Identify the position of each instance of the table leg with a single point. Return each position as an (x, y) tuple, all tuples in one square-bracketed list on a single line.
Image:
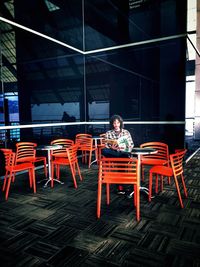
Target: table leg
[(142, 188), (49, 171), (95, 144), (49, 168)]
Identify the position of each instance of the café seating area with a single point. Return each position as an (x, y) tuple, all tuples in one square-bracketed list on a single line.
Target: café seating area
[(58, 226)]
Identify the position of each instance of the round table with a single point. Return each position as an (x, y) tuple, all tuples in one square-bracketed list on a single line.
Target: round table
[(139, 151), (95, 139), (49, 148)]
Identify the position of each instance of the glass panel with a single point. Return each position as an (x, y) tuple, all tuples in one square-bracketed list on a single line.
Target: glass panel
[(51, 79), (140, 83), (111, 23), (62, 20), (143, 82)]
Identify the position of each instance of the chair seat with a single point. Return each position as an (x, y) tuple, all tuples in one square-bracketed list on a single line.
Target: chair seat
[(60, 155), (20, 167), (149, 161), (162, 170), (59, 160), (39, 159), (25, 159)]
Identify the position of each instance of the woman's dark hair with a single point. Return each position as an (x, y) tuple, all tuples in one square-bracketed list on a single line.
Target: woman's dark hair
[(119, 118)]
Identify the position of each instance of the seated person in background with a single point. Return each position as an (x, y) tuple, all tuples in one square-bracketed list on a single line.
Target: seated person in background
[(118, 140)]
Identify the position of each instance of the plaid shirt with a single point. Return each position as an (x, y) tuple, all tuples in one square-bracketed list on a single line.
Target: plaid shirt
[(113, 135)]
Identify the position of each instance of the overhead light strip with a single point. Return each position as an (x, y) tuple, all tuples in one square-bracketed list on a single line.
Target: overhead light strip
[(96, 50)]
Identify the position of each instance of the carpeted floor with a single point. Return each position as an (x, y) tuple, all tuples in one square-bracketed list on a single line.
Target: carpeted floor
[(58, 227)]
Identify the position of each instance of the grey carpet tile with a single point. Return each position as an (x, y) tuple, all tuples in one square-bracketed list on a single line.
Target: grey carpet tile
[(42, 250), (69, 256), (58, 227)]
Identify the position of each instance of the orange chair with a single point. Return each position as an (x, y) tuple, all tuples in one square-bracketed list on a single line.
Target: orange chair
[(61, 152), (71, 160), (159, 158), (25, 152), (175, 170), (118, 171), (85, 144), (12, 168)]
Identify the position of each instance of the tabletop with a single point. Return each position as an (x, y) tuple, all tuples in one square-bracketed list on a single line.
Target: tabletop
[(142, 151), (48, 147)]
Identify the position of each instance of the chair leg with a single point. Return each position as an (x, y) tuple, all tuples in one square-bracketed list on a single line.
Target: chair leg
[(52, 173), (184, 186), (178, 191), (5, 181), (108, 194), (79, 172), (32, 175), (74, 167), (161, 183), (135, 195), (13, 177), (99, 199), (73, 175), (8, 186), (138, 203), (150, 185), (156, 187)]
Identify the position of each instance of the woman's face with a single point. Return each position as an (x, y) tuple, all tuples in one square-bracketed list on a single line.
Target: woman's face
[(116, 125)]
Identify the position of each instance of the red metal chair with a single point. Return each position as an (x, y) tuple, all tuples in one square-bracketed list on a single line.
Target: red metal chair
[(12, 168), (25, 152), (118, 171), (85, 144), (61, 152), (71, 160), (175, 170), (159, 158)]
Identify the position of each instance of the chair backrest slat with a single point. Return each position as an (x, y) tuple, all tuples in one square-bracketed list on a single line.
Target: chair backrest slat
[(65, 143), (25, 151), (112, 170), (162, 150), (177, 162)]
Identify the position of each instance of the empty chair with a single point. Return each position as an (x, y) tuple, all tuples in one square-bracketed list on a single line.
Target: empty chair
[(71, 161), (61, 152), (118, 171), (85, 145), (12, 168), (25, 152), (175, 171), (161, 157)]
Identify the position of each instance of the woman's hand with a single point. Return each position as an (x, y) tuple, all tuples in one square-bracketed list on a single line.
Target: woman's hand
[(115, 147)]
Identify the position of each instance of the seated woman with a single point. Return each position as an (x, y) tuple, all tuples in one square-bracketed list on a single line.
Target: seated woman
[(118, 141)]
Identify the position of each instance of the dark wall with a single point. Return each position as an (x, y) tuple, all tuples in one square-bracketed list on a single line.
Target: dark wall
[(142, 82)]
